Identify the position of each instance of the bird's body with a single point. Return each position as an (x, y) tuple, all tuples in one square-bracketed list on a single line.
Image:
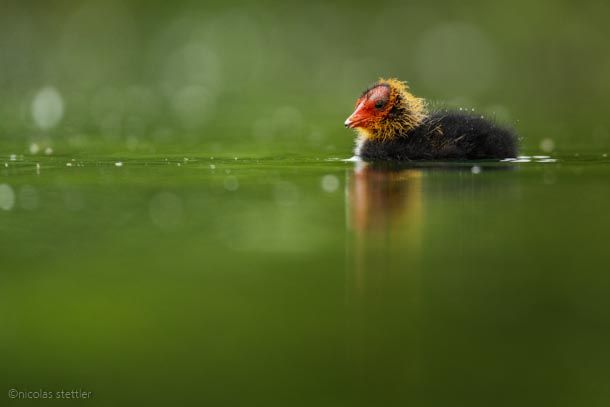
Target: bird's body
[(444, 135), (394, 125)]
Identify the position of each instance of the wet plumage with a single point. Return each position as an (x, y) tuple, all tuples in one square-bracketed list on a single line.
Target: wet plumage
[(394, 125)]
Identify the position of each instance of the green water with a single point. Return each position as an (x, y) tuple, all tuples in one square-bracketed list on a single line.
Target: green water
[(306, 281)]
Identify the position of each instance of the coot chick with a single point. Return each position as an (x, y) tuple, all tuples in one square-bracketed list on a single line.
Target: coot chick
[(392, 124)]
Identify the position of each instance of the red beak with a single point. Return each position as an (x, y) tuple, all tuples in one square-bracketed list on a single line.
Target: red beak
[(356, 118)]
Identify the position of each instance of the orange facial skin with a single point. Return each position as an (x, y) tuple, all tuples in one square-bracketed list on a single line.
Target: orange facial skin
[(386, 110), (371, 107)]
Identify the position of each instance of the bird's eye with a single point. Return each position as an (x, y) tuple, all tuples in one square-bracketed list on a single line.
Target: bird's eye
[(379, 103)]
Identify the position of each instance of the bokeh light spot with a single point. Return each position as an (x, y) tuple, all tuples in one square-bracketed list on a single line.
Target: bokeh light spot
[(7, 197), (231, 183), (47, 108), (547, 145), (330, 183)]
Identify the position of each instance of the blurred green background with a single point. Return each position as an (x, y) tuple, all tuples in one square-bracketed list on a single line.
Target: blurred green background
[(149, 76), (177, 226)]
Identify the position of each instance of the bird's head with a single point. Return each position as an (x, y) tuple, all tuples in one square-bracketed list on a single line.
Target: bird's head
[(386, 110)]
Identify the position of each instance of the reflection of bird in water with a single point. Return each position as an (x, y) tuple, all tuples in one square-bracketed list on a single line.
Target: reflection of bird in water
[(385, 218), (386, 214), (392, 124), (407, 227), (388, 204), (385, 199)]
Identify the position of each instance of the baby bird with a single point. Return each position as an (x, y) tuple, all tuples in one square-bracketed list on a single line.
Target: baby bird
[(392, 124)]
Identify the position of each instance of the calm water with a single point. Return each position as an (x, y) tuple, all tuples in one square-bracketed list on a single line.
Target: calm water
[(306, 282), (135, 266)]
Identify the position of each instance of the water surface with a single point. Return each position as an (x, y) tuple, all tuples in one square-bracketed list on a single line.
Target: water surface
[(306, 281)]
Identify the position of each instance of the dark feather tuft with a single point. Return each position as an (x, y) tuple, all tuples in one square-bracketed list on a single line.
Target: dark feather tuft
[(446, 135)]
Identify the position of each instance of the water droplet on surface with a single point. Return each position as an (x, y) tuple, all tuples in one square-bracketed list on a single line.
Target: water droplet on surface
[(352, 159)]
